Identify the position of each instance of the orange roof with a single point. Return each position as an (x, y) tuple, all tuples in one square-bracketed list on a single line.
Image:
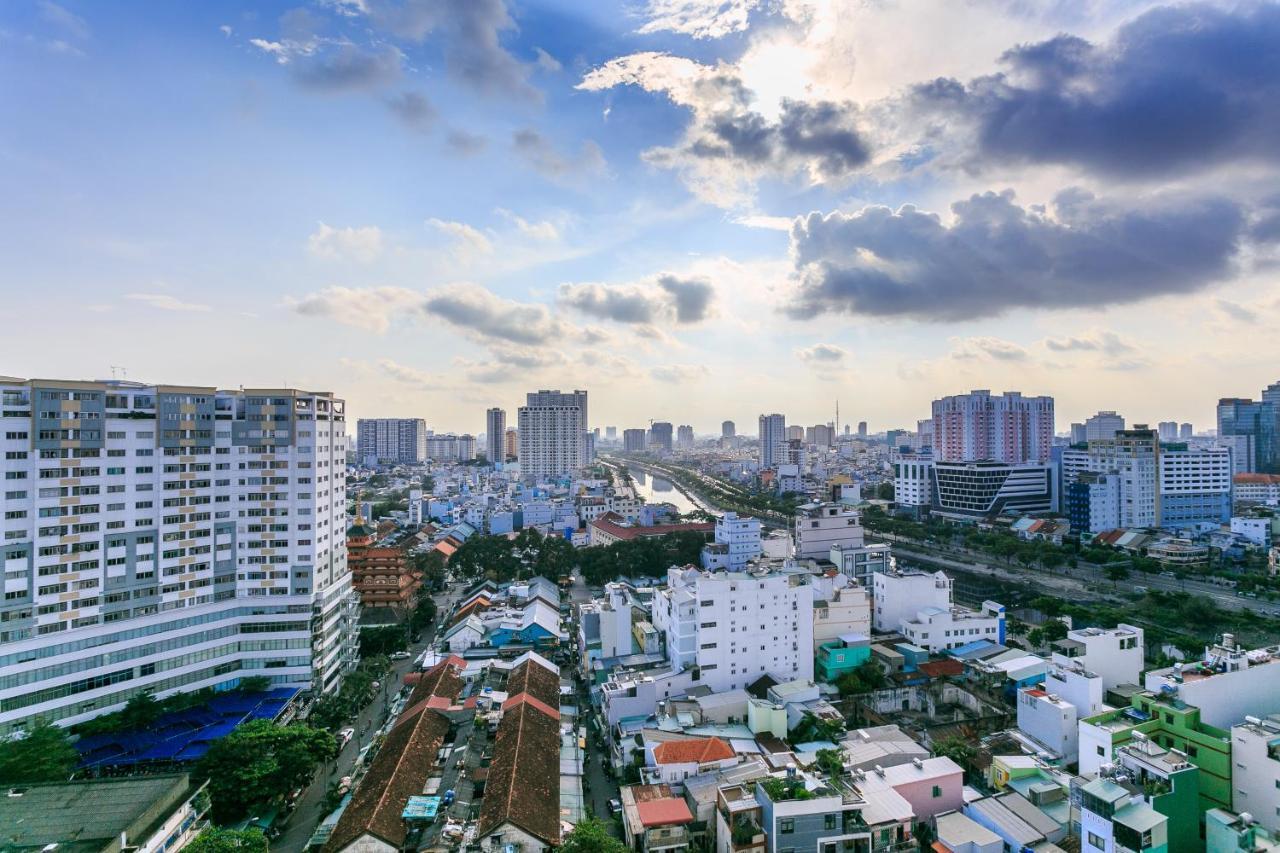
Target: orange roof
[(1257, 479), (666, 811), (609, 524), (447, 548), (939, 847), (692, 751), (534, 701)]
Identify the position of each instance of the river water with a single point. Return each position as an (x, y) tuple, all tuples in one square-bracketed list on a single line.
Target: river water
[(659, 490)]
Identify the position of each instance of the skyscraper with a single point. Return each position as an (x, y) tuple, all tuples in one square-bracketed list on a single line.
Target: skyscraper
[(633, 440), (660, 436), (1168, 430), (862, 429), (728, 429), (1186, 431), (1249, 427), (1102, 426), (553, 434), (1079, 435), (495, 435), (773, 431), (611, 433), (511, 443), (978, 426), (167, 528), (391, 440), (684, 436)]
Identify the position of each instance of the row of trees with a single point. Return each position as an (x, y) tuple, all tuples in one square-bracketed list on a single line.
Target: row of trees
[(260, 762), (333, 711), (501, 559)]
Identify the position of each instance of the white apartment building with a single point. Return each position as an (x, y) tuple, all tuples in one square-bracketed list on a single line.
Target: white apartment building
[(1051, 721), (913, 480), (940, 628), (860, 562), (737, 626), (979, 426), (1077, 685), (1195, 485), (1117, 655), (1255, 780), (1235, 684), (737, 543), (553, 434), (900, 594), (392, 440), (495, 435), (1256, 489), (773, 432), (840, 607), (820, 526), (168, 538), (1133, 456)]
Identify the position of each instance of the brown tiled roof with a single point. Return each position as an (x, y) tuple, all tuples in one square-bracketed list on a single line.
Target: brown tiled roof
[(1256, 479), (402, 765), (523, 786), (535, 679), (609, 524), (942, 667), (692, 751)]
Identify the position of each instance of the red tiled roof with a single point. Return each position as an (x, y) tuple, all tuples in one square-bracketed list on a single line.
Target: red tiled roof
[(609, 525), (942, 668), (1257, 479), (667, 811), (523, 787), (537, 703), (692, 751)]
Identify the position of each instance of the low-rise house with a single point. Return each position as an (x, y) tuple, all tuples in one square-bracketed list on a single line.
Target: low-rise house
[(958, 833), (676, 760), (654, 819)]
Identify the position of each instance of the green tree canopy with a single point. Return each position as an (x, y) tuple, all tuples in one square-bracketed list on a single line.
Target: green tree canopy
[(591, 835), (217, 840), (259, 762), (44, 755)]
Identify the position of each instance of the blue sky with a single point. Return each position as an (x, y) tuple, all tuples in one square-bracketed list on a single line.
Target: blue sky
[(697, 209)]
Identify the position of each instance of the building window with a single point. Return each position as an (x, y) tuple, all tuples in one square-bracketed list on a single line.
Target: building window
[(829, 821), (1097, 841), (787, 825), (937, 790)]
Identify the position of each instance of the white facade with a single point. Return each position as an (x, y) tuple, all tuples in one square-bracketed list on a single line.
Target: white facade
[(899, 595), (773, 432), (1050, 721), (1076, 685), (1132, 455), (1249, 684), (553, 434), (1256, 530), (913, 481), (839, 609), (820, 526), (860, 562), (737, 626), (1116, 654), (1103, 425), (391, 439), (164, 539), (1255, 781), (940, 628)]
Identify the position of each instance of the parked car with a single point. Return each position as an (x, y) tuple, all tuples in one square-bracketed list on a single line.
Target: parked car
[(401, 656), (345, 736), (615, 806)]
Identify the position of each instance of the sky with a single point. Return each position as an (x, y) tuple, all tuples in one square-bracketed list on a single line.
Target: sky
[(697, 210)]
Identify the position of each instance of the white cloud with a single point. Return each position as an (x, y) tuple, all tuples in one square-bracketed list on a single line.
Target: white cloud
[(165, 302), (408, 375), (544, 230), (823, 354), (701, 19), (226, 30), (679, 374), (361, 244), (371, 309), (987, 347), (466, 238)]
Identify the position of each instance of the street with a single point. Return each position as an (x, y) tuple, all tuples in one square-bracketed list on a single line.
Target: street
[(310, 808)]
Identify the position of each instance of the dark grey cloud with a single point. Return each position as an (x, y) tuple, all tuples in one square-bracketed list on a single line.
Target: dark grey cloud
[(1101, 341), (667, 298), (997, 256), (470, 33), (414, 111), (464, 143), (1177, 89), (349, 69), (821, 135)]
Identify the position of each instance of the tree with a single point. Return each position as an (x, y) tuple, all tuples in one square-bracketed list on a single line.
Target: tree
[(863, 678), (217, 840), (1116, 573), (1054, 629), (254, 684), (813, 728), (44, 755), (260, 762), (884, 491), (958, 749), (383, 640), (591, 835), (140, 712)]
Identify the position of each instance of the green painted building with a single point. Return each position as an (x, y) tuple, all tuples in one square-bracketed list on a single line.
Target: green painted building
[(841, 655)]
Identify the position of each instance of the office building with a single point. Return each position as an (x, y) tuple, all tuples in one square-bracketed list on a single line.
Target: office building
[(913, 481), (862, 429), (1168, 430), (728, 429), (773, 432), (974, 490), (737, 626), (402, 440), (1103, 425), (190, 537), (611, 433), (1079, 435), (684, 437), (1195, 485), (660, 437), (1249, 427), (1186, 431), (633, 440), (1092, 502), (1133, 456), (511, 443), (495, 434), (979, 426), (553, 434)]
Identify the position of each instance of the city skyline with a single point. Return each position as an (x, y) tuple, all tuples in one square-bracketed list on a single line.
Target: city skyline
[(696, 210)]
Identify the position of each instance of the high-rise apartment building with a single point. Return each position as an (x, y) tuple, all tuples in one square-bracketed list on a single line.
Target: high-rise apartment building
[(633, 440), (1132, 455), (862, 429), (684, 436), (511, 443), (1255, 424), (1078, 435), (773, 431), (1186, 431), (979, 426), (450, 447), (660, 436), (1168, 430), (611, 433), (553, 434), (795, 433), (401, 440), (1102, 426), (728, 429), (165, 539), (495, 435)]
